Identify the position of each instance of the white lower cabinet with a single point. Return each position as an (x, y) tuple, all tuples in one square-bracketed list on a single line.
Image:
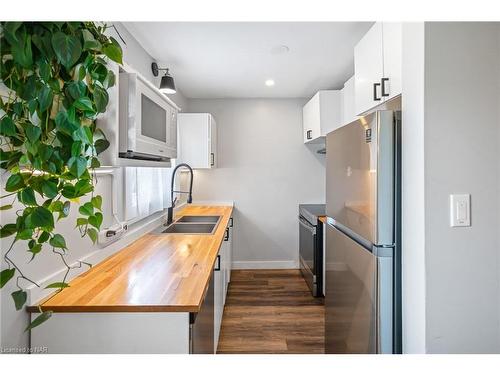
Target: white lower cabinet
[(222, 275)]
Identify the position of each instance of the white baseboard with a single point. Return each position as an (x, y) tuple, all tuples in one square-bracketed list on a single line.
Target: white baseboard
[(265, 265)]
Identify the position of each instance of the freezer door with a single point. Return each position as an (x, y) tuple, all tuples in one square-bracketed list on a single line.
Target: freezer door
[(350, 299), (360, 177)]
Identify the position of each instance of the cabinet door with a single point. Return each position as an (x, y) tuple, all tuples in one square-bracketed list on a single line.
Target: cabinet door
[(212, 157), (230, 251), (368, 69), (195, 139), (311, 119), (218, 299), (392, 34), (348, 102)]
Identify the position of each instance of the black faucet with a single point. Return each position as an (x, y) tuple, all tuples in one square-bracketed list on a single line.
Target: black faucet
[(170, 212)]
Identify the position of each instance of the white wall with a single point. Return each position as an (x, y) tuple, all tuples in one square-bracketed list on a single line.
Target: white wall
[(46, 263), (462, 155), (264, 167), (413, 213), (451, 144)]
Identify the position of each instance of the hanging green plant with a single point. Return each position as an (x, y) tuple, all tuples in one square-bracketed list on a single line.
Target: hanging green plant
[(54, 82)]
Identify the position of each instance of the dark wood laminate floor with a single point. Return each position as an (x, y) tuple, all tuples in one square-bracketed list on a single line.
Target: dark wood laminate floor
[(271, 311)]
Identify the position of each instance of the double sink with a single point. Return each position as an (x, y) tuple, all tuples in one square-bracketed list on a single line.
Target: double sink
[(190, 224)]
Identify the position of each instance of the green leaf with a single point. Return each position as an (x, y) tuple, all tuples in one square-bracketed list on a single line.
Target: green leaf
[(43, 237), (64, 124), (35, 250), (6, 275), (76, 148), (95, 163), (67, 48), (25, 234), (57, 285), (89, 42), (7, 127), (41, 218), (81, 221), (39, 320), (84, 104), (84, 134), (49, 189), (77, 165), (83, 187), (58, 241), (21, 52), (14, 183), (8, 230), (87, 209), (101, 99), (101, 145), (76, 89), (45, 70), (96, 220), (6, 207), (92, 234), (96, 201), (66, 207), (45, 97), (32, 132), (110, 79), (19, 297), (27, 196), (114, 52)]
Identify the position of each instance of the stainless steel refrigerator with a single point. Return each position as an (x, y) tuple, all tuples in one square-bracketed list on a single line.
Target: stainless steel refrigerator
[(363, 254)]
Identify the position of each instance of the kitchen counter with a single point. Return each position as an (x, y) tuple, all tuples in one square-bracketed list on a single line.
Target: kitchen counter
[(156, 273)]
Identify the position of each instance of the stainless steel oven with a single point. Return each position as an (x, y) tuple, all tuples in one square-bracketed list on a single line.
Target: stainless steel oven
[(311, 247)]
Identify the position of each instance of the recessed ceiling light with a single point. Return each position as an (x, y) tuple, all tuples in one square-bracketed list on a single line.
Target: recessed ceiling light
[(270, 82), (280, 49)]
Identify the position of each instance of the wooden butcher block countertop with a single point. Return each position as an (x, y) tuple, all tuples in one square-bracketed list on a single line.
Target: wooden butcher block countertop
[(156, 273)]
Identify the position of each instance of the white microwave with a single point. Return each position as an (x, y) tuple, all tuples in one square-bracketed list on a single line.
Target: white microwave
[(147, 121)]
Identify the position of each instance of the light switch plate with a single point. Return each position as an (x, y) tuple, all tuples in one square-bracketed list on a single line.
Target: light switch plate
[(460, 210)]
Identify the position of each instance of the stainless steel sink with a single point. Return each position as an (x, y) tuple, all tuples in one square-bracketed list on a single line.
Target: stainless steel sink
[(191, 228), (198, 219)]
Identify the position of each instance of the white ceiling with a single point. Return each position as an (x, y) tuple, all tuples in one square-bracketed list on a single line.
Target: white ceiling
[(234, 59)]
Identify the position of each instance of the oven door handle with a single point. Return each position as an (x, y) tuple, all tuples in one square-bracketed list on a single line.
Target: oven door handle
[(307, 225)]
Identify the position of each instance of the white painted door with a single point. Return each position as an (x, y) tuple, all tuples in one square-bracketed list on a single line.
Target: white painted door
[(368, 69), (392, 39)]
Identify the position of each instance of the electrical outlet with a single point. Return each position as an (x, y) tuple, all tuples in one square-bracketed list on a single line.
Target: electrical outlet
[(111, 234)]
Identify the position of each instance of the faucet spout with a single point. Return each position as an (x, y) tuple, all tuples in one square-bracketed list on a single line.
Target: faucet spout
[(170, 210)]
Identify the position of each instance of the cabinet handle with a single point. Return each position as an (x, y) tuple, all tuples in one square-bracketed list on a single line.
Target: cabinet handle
[(217, 268), (308, 134), (226, 236), (384, 92), (375, 98), (231, 222), (212, 159)]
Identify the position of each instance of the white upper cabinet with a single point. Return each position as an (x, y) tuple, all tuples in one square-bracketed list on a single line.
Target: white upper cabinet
[(377, 66), (197, 140), (392, 37), (321, 115), (348, 102)]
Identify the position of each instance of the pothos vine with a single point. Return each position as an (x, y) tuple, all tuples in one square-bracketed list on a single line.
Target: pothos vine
[(54, 82)]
